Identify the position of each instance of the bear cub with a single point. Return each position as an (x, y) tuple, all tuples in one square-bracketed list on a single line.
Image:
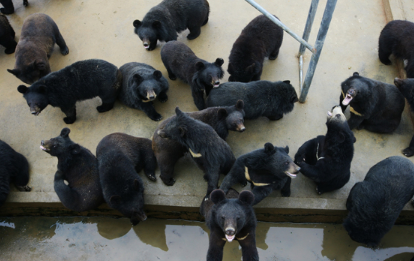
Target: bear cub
[(79, 167), (202, 76), (142, 84), (37, 39), (165, 20), (7, 35)]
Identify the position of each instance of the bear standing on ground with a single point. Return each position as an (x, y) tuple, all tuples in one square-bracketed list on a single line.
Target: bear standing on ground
[(121, 157), (261, 98), (165, 20), (375, 106), (141, 85), (265, 169), (230, 217), (9, 7), (37, 39), (259, 39), (7, 35), (79, 167), (13, 168), (327, 159), (202, 76), (168, 152), (375, 203), (77, 82)]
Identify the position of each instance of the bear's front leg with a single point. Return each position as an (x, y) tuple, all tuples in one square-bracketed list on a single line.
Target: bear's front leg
[(355, 122), (286, 188), (215, 247), (162, 97), (236, 175), (408, 152), (211, 176), (148, 108), (198, 97), (275, 117), (248, 246), (70, 114)]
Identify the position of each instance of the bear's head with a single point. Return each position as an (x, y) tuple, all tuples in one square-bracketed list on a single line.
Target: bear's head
[(31, 72), (338, 128), (406, 87), (36, 97), (232, 215), (60, 145), (148, 33), (288, 95), (242, 72), (177, 128), (352, 86), (147, 87), (234, 116), (280, 160), (208, 74)]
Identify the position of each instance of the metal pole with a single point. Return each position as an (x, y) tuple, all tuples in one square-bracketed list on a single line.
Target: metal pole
[(323, 30), (280, 24)]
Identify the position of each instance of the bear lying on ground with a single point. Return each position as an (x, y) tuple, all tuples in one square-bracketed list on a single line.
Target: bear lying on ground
[(9, 7), (211, 153), (141, 85), (259, 39), (121, 157), (375, 106), (77, 82), (327, 159), (230, 217), (202, 76), (375, 203), (7, 35), (13, 168), (265, 169), (37, 39), (79, 167), (397, 38), (163, 21), (168, 152), (261, 98)]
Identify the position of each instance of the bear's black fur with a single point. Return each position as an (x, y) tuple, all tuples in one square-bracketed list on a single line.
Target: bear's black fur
[(265, 169), (259, 39), (230, 217), (7, 35), (13, 168), (163, 21), (79, 167), (121, 157), (77, 82), (261, 98), (397, 38), (202, 76), (37, 39), (9, 7), (141, 85), (375, 203), (327, 159), (211, 153), (374, 105), (168, 152)]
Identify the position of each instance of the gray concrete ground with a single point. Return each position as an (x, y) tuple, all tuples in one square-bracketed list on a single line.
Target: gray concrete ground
[(103, 29)]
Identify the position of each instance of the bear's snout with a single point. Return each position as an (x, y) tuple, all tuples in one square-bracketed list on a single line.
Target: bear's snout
[(241, 127)]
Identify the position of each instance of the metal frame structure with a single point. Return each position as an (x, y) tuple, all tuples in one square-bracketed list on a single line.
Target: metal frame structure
[(320, 39)]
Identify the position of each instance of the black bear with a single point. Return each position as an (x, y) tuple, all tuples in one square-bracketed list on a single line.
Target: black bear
[(9, 7), (77, 82), (375, 203), (163, 21), (374, 105), (141, 85), (211, 153), (79, 167), (259, 39), (7, 35), (265, 169), (120, 158), (37, 39), (168, 152), (397, 38), (202, 76), (230, 217), (13, 168), (327, 159), (261, 98)]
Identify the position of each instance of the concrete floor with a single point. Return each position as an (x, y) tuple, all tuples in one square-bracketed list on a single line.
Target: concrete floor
[(103, 29)]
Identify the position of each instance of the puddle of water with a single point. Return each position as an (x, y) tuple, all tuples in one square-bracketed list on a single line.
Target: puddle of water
[(101, 238)]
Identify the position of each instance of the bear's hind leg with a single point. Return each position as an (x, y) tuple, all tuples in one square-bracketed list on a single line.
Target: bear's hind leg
[(8, 7), (64, 50), (384, 51), (21, 177), (70, 114), (274, 54), (194, 32), (408, 152)]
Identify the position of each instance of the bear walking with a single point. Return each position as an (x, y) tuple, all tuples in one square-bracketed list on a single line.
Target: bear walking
[(79, 167), (7, 35), (165, 20), (77, 82), (202, 76), (37, 39), (259, 39)]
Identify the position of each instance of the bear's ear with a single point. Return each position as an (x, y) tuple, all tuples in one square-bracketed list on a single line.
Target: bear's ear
[(219, 62), (156, 24), (269, 148), (183, 130), (355, 74), (157, 74), (240, 105), (137, 78), (75, 149), (15, 72), (287, 81), (287, 149), (65, 132), (22, 89), (250, 68), (137, 23), (41, 65), (115, 199), (199, 66), (246, 197), (217, 196), (136, 185), (178, 111), (222, 113)]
